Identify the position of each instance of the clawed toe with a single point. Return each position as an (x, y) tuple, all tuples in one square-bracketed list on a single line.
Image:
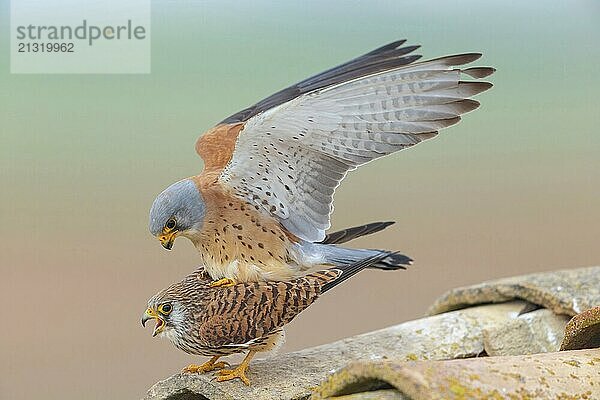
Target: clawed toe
[(230, 374), (220, 365), (225, 282), (192, 368), (208, 366), (225, 372)]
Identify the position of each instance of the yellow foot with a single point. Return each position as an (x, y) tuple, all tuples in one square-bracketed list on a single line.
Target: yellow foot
[(208, 366), (225, 282), (229, 374)]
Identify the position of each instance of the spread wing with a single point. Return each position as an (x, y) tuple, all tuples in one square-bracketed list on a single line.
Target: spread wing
[(289, 158), (216, 146)]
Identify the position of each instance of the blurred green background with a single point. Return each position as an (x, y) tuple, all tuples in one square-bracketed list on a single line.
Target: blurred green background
[(512, 189)]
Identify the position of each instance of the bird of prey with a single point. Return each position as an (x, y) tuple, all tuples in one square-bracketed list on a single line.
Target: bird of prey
[(262, 204), (215, 322)]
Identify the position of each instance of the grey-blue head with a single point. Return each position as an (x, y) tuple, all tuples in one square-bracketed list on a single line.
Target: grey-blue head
[(178, 210)]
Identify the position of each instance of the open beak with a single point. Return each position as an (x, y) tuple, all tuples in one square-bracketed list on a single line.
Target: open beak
[(151, 314), (167, 239)]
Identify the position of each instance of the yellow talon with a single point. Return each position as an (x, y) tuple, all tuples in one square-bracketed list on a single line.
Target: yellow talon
[(208, 366), (225, 282), (229, 374), (239, 372)]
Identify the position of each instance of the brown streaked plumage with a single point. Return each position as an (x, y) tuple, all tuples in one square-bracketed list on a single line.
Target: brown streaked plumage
[(202, 320), (270, 171)]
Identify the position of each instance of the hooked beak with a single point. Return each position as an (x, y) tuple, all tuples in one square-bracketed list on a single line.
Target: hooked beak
[(151, 314), (167, 239)]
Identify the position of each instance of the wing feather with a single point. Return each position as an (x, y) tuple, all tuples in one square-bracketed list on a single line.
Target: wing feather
[(386, 57), (289, 159), (240, 323)]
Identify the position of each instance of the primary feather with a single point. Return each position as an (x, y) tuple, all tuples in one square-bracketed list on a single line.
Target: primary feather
[(348, 234), (289, 159)]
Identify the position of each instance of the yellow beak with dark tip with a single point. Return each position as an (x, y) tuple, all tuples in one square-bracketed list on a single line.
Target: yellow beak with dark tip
[(151, 314), (167, 239)]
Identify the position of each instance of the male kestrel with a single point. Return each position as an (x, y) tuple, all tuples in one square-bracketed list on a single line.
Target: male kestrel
[(202, 320), (263, 202)]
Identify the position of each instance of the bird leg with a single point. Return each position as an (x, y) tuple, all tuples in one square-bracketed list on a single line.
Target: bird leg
[(210, 365), (239, 372), (225, 282)]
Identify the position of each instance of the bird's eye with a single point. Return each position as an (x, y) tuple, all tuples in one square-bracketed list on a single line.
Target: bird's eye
[(171, 223), (165, 308)]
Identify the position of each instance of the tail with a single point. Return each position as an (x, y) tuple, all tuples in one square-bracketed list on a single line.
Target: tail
[(331, 254), (339, 256), (335, 276), (349, 234)]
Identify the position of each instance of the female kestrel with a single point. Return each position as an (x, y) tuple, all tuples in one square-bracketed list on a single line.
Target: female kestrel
[(206, 321), (263, 202)]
